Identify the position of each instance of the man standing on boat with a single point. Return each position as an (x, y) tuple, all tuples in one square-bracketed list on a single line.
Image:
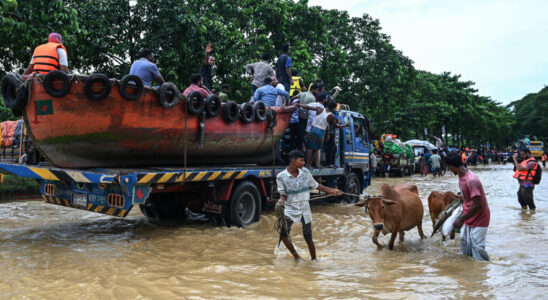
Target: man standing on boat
[(283, 68), (294, 185), (146, 69), (207, 68), (49, 57), (260, 70)]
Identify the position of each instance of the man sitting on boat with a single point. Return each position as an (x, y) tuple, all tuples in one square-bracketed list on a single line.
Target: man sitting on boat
[(49, 56), (146, 69), (196, 85)]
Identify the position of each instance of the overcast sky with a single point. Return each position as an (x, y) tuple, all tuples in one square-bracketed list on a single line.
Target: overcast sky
[(501, 45)]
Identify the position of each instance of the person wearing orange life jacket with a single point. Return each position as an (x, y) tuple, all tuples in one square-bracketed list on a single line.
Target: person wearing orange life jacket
[(297, 84), (525, 172), (544, 159), (49, 57)]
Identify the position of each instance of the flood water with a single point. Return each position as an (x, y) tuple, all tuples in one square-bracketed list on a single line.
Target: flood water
[(48, 251)]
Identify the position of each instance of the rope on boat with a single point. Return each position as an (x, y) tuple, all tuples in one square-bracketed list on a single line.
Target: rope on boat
[(186, 137)]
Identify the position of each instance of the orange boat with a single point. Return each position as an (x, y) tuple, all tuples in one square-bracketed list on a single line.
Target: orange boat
[(92, 121)]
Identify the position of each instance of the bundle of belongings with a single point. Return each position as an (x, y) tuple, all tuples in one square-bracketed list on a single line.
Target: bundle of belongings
[(10, 133), (397, 147)]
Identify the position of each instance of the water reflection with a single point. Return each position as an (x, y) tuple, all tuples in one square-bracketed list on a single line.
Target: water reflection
[(50, 251)]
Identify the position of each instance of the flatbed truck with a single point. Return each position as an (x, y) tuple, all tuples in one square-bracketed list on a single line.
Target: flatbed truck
[(232, 195)]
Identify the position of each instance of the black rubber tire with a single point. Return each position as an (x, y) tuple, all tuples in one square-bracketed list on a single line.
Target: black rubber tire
[(167, 89), (138, 84), (247, 114), (260, 111), (14, 92), (57, 75), (245, 205), (195, 103), (272, 118), (164, 207), (213, 106), (97, 78), (352, 186), (230, 111)]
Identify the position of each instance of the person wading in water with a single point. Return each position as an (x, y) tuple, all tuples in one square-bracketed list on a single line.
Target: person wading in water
[(294, 185), (475, 210)]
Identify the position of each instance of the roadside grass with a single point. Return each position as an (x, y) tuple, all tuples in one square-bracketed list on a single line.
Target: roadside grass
[(15, 185)]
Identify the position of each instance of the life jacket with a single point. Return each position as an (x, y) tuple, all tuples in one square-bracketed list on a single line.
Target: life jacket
[(526, 174), (295, 86), (45, 58), (544, 157), (463, 157)]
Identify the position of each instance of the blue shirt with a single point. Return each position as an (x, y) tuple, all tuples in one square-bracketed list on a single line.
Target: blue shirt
[(295, 115), (268, 94), (146, 70)]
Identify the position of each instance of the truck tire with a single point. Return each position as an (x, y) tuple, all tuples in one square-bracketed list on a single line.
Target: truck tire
[(195, 103), (164, 207), (245, 205), (352, 186)]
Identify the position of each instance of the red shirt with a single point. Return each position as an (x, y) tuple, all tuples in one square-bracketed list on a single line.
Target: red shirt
[(193, 87), (470, 187)]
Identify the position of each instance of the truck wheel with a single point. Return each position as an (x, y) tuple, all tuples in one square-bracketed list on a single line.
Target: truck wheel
[(351, 186), (164, 206), (245, 205)]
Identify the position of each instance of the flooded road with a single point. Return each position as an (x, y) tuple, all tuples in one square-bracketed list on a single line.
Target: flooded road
[(48, 251)]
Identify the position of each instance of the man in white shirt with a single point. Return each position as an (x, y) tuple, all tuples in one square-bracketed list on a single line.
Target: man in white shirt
[(294, 185)]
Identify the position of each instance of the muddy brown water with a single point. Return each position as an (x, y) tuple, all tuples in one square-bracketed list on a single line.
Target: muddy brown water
[(47, 251)]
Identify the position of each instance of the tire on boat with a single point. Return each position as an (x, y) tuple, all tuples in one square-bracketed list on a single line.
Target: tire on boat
[(127, 82), (247, 114), (260, 111), (168, 89), (213, 106), (245, 205), (271, 118), (14, 92), (230, 111), (100, 79), (195, 103), (57, 75)]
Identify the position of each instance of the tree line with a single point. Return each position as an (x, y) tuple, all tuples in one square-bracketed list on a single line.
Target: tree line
[(350, 52)]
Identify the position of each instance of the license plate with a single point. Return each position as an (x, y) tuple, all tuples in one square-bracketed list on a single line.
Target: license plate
[(80, 200)]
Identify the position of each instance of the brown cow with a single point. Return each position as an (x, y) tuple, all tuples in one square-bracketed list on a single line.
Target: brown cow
[(398, 209), (437, 202)]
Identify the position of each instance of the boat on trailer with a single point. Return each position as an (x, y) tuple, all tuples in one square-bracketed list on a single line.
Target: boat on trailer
[(93, 121)]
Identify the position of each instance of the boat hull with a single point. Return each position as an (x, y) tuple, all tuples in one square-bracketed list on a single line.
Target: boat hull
[(75, 132)]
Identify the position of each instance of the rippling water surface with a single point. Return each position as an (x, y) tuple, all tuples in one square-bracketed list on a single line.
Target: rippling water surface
[(47, 251)]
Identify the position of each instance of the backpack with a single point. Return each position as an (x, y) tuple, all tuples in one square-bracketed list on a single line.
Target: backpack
[(538, 174)]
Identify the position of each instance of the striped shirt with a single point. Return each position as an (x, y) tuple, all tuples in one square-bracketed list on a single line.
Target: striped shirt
[(297, 192)]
